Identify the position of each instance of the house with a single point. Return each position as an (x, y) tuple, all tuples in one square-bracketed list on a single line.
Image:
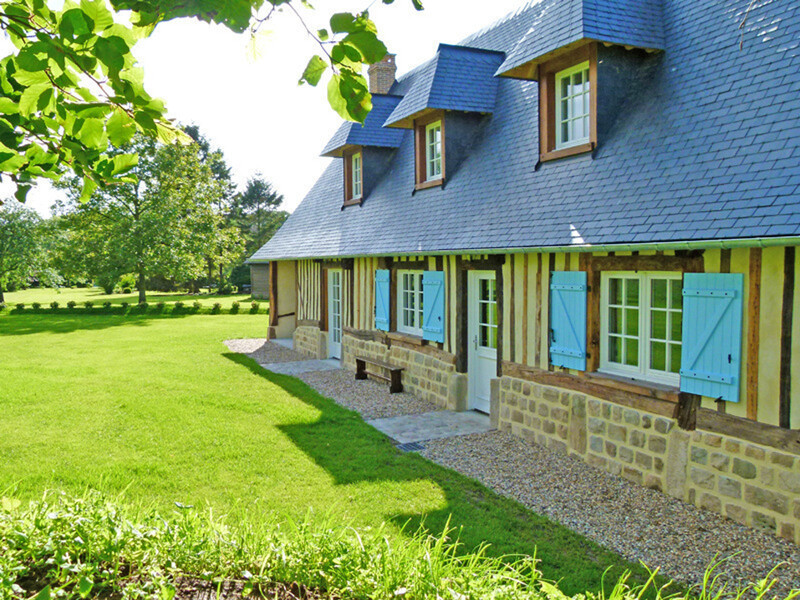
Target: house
[(259, 281), (582, 220)]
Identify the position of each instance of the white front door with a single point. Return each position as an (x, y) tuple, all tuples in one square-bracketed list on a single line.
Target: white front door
[(483, 321), (335, 313)]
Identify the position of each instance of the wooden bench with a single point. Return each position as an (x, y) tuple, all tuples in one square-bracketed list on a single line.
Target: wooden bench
[(395, 385)]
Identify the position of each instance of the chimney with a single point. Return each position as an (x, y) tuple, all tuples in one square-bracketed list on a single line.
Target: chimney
[(381, 75)]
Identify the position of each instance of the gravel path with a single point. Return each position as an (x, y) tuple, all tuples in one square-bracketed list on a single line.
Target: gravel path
[(639, 523)]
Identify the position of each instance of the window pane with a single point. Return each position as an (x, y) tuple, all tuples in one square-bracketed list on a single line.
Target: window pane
[(632, 352), (658, 297), (615, 320), (676, 320), (615, 291), (674, 358), (658, 356), (676, 298), (493, 340), (632, 292), (658, 324), (632, 321), (615, 349)]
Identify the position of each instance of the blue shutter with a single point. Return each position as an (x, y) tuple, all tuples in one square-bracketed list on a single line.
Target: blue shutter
[(433, 306), (382, 304), (568, 319), (712, 334)]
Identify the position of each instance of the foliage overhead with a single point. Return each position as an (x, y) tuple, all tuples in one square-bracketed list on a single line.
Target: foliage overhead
[(73, 88)]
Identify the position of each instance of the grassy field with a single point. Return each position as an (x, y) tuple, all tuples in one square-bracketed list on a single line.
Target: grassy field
[(157, 408), (45, 296)]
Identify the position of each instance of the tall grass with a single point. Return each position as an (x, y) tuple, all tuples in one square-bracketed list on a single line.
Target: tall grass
[(80, 547)]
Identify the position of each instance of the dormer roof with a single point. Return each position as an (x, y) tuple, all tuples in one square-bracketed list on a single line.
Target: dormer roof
[(371, 133), (560, 25), (458, 78)]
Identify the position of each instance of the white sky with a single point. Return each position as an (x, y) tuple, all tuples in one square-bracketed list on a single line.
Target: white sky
[(253, 109)]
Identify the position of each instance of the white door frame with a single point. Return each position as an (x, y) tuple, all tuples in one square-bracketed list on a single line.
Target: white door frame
[(335, 311), (480, 358)]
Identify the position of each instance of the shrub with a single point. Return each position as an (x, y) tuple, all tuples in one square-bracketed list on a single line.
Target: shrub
[(124, 306), (226, 289), (71, 304), (107, 305), (54, 305), (88, 304), (36, 305), (234, 308), (254, 306), (126, 290), (143, 306), (20, 305), (216, 309), (2, 306), (127, 281), (197, 305), (178, 306), (161, 306)]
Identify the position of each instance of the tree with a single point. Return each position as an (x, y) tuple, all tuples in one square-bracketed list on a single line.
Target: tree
[(164, 223), (20, 245), (259, 204), (73, 87)]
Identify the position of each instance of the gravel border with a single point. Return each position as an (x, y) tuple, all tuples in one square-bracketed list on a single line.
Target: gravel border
[(639, 523)]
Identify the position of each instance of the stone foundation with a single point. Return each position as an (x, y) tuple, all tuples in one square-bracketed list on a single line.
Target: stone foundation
[(751, 484), (424, 375), (311, 341)]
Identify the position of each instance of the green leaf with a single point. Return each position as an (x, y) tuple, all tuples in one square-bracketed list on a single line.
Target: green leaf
[(343, 23), (349, 96), (111, 51), (85, 587), (88, 189), (29, 78), (21, 195), (124, 163), (371, 48), (8, 106), (28, 60), (120, 128), (75, 23), (99, 13), (30, 98), (92, 134), (323, 35), (314, 70)]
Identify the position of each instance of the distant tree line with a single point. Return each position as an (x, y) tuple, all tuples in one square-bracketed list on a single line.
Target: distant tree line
[(178, 221)]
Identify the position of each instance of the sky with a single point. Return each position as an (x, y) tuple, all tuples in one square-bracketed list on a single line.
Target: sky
[(245, 97)]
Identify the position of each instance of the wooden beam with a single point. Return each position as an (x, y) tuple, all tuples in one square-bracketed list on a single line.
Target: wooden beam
[(525, 309), (688, 262), (537, 331), (550, 269), (787, 440), (273, 293), (787, 317), (753, 332), (724, 267), (512, 318), (687, 410), (323, 299), (462, 322), (500, 324)]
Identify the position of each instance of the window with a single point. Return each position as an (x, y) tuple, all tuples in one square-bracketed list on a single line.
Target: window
[(353, 177), (568, 104), (430, 147), (356, 171), (433, 151), (487, 313), (641, 317), (572, 106), (409, 302)]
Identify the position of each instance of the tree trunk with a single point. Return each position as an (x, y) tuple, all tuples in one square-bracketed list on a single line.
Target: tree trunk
[(2, 297), (140, 284), (220, 274)]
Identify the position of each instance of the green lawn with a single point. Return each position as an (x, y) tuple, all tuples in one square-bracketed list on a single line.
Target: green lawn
[(158, 408), (45, 296)]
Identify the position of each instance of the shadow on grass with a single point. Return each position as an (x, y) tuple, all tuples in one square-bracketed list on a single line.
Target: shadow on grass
[(61, 322), (351, 451)]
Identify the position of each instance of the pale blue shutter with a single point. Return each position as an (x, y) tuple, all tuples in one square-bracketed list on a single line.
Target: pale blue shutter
[(433, 306), (712, 334), (382, 286), (568, 319)]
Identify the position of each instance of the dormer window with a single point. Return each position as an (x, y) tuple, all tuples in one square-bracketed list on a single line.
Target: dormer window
[(568, 104), (573, 92), (430, 150), (433, 150), (353, 176)]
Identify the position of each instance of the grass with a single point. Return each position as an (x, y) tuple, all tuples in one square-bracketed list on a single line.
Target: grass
[(45, 296), (156, 408)]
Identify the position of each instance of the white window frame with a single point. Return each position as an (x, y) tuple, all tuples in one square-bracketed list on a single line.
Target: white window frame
[(643, 370), (433, 152), (587, 114), (356, 174), (402, 294)]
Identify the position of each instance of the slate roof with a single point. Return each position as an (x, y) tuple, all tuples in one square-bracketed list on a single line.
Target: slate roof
[(708, 149), (371, 133), (558, 23), (458, 78)]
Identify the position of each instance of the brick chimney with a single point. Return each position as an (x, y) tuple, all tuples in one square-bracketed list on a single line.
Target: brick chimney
[(381, 75)]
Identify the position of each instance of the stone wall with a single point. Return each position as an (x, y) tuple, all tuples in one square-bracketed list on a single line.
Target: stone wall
[(424, 375), (310, 341), (752, 484)]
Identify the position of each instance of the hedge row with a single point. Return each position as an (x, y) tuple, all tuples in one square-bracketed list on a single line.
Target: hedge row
[(126, 308)]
